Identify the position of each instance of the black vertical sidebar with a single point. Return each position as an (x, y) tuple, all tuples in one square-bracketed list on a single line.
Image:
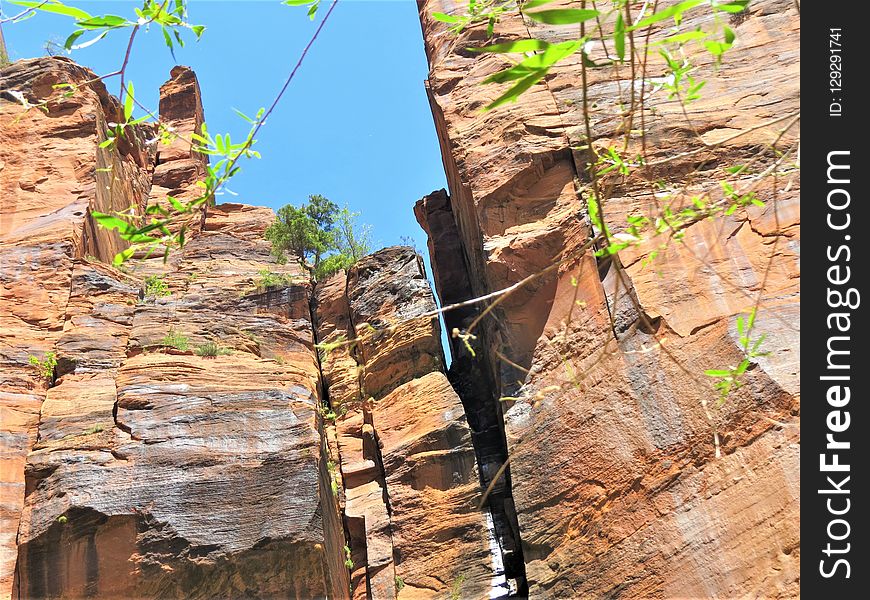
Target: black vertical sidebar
[(834, 354)]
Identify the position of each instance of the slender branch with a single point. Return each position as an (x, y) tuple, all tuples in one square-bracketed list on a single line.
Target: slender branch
[(277, 99), (123, 69), (22, 14)]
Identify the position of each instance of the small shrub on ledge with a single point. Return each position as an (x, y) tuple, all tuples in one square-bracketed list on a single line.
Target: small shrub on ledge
[(211, 349), (155, 287), (45, 367), (269, 280), (175, 339)]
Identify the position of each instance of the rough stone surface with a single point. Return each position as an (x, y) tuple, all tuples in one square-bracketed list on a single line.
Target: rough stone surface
[(406, 458), (48, 184), (326, 452), (613, 474), (142, 470), (171, 469)]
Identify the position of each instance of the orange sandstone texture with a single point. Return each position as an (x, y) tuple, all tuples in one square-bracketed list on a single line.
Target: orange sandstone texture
[(48, 183), (613, 474), (407, 462), (143, 469), (168, 473)]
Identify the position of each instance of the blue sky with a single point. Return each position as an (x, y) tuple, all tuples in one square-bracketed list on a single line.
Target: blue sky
[(355, 124)]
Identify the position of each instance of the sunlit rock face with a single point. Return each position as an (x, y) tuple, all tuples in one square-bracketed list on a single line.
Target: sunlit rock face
[(160, 472), (411, 487), (612, 468), (326, 450), (49, 180), (139, 469), (142, 467)]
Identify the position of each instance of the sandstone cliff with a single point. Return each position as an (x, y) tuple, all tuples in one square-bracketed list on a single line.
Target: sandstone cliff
[(139, 468), (612, 472), (327, 450)]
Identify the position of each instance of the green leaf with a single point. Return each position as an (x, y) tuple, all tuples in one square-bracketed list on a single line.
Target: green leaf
[(717, 373), (89, 42), (123, 256), (758, 343), (111, 222), (516, 46), (534, 64), (54, 7), (68, 44), (176, 204), (563, 16), (244, 116), (735, 6), (681, 38), (128, 102), (740, 326), (104, 21), (445, 18), (535, 3), (198, 30), (674, 12), (107, 143), (138, 238), (619, 37), (716, 48)]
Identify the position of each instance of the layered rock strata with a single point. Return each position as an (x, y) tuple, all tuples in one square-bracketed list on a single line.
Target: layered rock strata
[(146, 465), (411, 489), (49, 181), (613, 472)]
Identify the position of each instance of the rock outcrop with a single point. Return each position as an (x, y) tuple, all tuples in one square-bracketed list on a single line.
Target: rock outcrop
[(143, 465), (49, 181), (407, 462), (226, 437), (612, 466)]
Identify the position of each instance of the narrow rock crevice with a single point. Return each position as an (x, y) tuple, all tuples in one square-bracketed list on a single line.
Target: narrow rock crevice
[(474, 385)]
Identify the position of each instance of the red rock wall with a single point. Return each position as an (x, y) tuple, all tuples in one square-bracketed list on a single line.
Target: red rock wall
[(616, 487), (142, 470), (48, 183), (405, 454)]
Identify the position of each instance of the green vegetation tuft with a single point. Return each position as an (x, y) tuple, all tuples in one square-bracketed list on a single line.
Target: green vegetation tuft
[(175, 339), (211, 349), (456, 588), (269, 279), (45, 367), (155, 287)]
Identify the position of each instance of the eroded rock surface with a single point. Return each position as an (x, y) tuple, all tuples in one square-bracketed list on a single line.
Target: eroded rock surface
[(169, 473), (324, 451), (143, 467), (612, 469), (48, 184), (407, 462)]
